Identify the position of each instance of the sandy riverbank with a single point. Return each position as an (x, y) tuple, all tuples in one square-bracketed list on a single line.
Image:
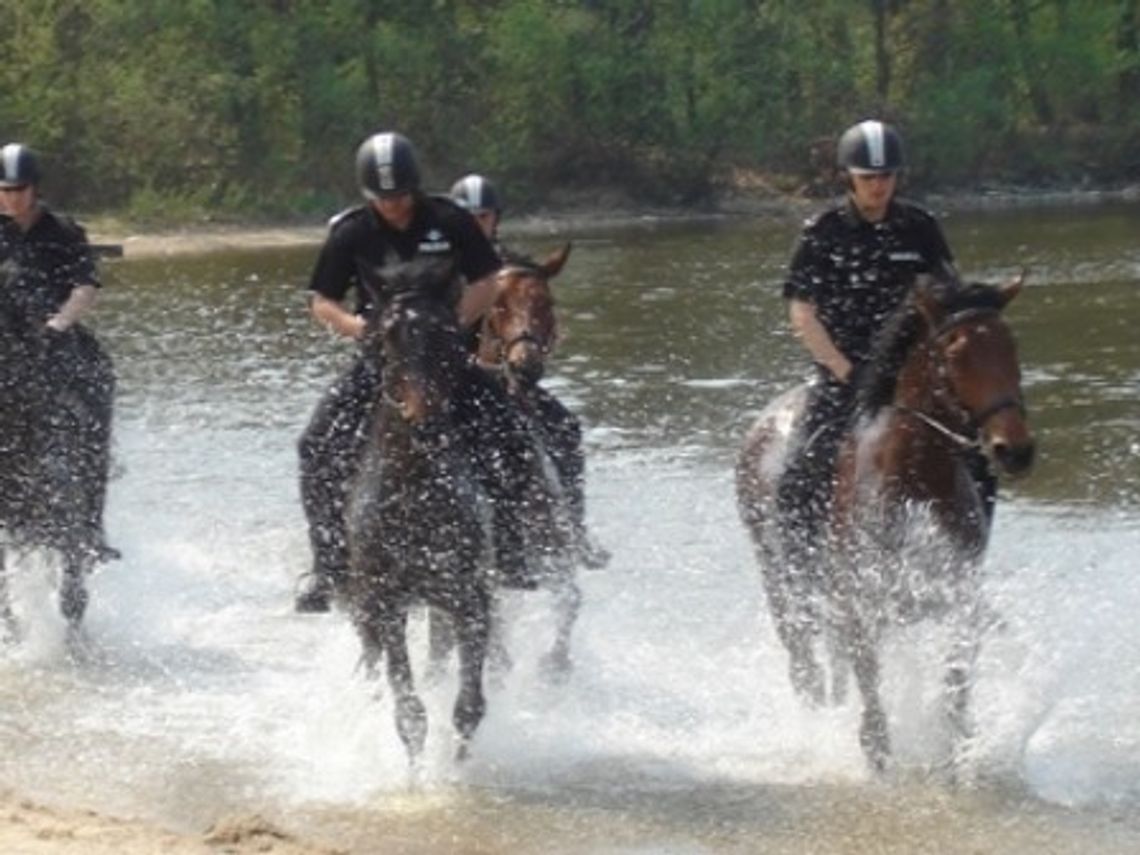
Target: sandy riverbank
[(201, 239), (28, 828)]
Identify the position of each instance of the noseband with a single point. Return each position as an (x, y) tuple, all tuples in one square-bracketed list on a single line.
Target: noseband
[(527, 336)]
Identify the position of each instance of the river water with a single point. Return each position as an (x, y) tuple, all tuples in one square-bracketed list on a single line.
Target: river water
[(201, 694)]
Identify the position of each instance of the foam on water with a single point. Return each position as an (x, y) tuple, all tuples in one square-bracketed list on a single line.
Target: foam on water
[(197, 668)]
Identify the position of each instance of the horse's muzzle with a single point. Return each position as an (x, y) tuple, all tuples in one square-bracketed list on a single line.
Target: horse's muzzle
[(1014, 459), (526, 372)]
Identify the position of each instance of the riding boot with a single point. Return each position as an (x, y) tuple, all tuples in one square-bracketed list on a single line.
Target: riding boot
[(986, 482), (327, 538), (330, 451), (562, 438)]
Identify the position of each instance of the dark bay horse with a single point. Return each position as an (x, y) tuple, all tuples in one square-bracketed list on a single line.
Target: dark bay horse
[(416, 529), (907, 525), (51, 483), (516, 337)]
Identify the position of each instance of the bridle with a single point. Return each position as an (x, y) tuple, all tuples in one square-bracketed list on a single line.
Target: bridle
[(966, 440), (504, 346)]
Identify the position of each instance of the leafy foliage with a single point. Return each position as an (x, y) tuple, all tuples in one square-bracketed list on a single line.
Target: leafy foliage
[(226, 107)]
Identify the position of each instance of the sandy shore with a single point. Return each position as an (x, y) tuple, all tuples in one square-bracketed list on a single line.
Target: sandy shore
[(196, 240), (28, 828)]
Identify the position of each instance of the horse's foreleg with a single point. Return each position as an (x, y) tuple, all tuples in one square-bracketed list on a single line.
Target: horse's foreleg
[(797, 627), (411, 716), (556, 664), (873, 735), (7, 615), (73, 596), (473, 627), (499, 659), (958, 684), (441, 641)]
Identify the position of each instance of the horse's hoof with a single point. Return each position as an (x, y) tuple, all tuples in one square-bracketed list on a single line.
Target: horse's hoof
[(875, 741), (593, 555), (807, 680), (411, 724), (462, 751), (105, 553), (73, 599)]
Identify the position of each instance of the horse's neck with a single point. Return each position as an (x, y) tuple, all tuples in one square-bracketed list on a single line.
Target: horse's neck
[(920, 389), (925, 452)]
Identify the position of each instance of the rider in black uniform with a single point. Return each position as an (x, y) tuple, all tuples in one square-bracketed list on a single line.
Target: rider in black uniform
[(397, 224), (60, 283), (560, 429), (853, 267)]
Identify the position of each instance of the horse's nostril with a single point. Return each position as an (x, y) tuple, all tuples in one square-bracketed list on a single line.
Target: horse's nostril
[(1014, 459)]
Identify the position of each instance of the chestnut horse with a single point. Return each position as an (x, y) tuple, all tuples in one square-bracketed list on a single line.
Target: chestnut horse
[(517, 335), (416, 525), (907, 525)]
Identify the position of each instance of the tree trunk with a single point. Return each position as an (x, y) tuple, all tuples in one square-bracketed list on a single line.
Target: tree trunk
[(1038, 98), (1128, 42), (882, 56)]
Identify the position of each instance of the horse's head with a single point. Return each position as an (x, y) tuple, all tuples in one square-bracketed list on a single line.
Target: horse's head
[(977, 376), (417, 335), (520, 329)]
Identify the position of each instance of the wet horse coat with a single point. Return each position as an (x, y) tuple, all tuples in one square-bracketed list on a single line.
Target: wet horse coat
[(907, 525), (51, 483), (416, 529), (517, 335)]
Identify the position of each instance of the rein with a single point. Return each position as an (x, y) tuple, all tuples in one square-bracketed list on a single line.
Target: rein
[(527, 336), (974, 420)]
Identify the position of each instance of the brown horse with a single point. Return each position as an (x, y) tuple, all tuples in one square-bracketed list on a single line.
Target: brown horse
[(517, 335), (907, 523), (415, 526)]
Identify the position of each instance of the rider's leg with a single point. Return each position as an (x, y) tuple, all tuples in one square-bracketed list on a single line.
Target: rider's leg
[(330, 450), (91, 378), (803, 494), (507, 465), (562, 436), (986, 482)]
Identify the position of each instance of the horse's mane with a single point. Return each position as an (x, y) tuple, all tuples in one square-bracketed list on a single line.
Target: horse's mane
[(905, 328)]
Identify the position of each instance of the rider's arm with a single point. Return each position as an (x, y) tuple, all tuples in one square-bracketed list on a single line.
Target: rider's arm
[(332, 315), (816, 339), (477, 298), (78, 304)]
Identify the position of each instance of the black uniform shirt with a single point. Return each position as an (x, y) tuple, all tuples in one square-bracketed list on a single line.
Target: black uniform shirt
[(53, 255), (857, 273), (360, 242)]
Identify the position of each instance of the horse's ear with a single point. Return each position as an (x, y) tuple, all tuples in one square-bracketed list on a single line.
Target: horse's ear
[(1008, 290), (554, 262)]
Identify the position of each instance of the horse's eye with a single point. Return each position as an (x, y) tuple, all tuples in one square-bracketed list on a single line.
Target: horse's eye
[(958, 342)]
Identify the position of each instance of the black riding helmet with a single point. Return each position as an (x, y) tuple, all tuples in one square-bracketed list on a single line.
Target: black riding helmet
[(19, 166), (870, 146), (476, 194), (386, 166)]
